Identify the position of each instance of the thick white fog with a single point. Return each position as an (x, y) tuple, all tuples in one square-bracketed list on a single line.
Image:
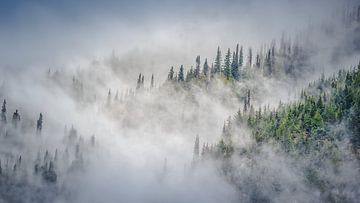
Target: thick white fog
[(78, 63)]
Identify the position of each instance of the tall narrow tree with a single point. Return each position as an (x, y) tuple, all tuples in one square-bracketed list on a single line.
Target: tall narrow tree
[(152, 81), (250, 57), (171, 73), (181, 74), (16, 118), (227, 65), (217, 65), (197, 68), (39, 123), (3, 112), (241, 57), (206, 68)]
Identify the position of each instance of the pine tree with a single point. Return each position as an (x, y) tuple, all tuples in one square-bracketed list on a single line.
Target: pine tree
[(39, 123), (268, 63), (171, 73), (217, 65), (206, 69), (3, 112), (16, 118), (236, 57), (181, 74), (227, 64), (235, 67), (250, 57), (257, 62), (138, 82), (197, 68), (152, 81), (241, 57)]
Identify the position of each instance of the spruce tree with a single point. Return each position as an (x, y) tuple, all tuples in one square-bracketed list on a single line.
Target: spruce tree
[(171, 73), (197, 68), (3, 112), (250, 57), (257, 62), (227, 64), (235, 68), (241, 57), (181, 74), (217, 65), (152, 81), (138, 85), (16, 118), (206, 68), (39, 123)]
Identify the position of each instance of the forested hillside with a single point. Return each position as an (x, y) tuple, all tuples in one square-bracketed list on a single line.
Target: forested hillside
[(319, 135), (220, 101)]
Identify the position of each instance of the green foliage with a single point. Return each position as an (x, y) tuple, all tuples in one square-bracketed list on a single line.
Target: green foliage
[(307, 123)]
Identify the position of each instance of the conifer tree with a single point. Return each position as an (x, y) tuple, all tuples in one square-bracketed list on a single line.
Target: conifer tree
[(152, 81), (206, 68), (217, 65), (257, 62), (197, 68), (16, 118), (235, 67), (39, 123), (138, 85), (236, 57), (227, 64), (241, 57), (3, 112), (250, 57), (181, 74), (171, 73)]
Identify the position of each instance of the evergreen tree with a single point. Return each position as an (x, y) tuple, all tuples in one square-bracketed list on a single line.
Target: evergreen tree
[(227, 64), (206, 69), (138, 85), (250, 57), (152, 81), (181, 74), (268, 63), (217, 65), (241, 57), (171, 73), (236, 57), (39, 123), (197, 68), (235, 67), (257, 62), (3, 112), (16, 118)]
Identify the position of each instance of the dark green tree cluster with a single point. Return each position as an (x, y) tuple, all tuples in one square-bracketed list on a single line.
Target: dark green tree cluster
[(269, 61), (306, 125)]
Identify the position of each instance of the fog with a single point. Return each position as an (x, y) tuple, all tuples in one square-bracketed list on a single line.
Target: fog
[(68, 60)]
